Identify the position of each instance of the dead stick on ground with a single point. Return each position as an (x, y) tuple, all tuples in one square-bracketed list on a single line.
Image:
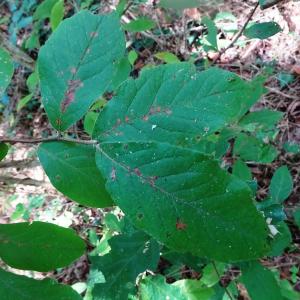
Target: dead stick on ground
[(237, 36)]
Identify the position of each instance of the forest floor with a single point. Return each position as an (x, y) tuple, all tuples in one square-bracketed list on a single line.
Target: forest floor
[(25, 191)]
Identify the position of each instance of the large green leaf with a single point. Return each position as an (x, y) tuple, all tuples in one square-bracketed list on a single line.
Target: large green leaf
[(260, 282), (149, 136), (6, 70), (250, 148), (281, 184), (39, 246), (16, 287), (130, 255), (281, 240), (71, 168), (77, 64)]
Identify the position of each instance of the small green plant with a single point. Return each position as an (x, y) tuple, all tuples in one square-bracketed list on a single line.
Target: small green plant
[(157, 152)]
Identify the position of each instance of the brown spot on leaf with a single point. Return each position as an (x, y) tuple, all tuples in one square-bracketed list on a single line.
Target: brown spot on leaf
[(126, 119), (180, 225), (146, 118), (69, 96), (152, 180), (137, 172)]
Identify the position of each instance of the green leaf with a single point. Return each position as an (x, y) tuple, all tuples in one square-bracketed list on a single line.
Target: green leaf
[(149, 136), (249, 148), (140, 24), (262, 30), (89, 121), (77, 65), (57, 14), (281, 240), (281, 184), (260, 281), (267, 3), (296, 215), (16, 287), (72, 170), (3, 150), (264, 119), (130, 255), (241, 170), (194, 290), (32, 81), (39, 246), (212, 32), (44, 9), (123, 69), (182, 4), (132, 57), (7, 70), (271, 209), (287, 290), (121, 7), (155, 287), (167, 57), (183, 259), (23, 102)]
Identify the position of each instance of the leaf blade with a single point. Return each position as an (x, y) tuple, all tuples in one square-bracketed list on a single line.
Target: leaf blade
[(281, 184), (76, 65), (72, 170), (36, 246), (148, 142), (17, 287)]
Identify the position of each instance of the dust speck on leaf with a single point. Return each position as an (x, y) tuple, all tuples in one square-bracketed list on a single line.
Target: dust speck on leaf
[(73, 70), (94, 34)]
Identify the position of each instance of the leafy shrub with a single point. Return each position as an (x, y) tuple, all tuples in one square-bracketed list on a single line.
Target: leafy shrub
[(156, 151)]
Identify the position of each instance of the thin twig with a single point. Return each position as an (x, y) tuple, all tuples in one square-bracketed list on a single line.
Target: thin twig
[(238, 35), (129, 4), (45, 140), (219, 275)]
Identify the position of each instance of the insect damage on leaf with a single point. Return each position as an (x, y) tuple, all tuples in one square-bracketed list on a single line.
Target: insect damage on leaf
[(69, 97)]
